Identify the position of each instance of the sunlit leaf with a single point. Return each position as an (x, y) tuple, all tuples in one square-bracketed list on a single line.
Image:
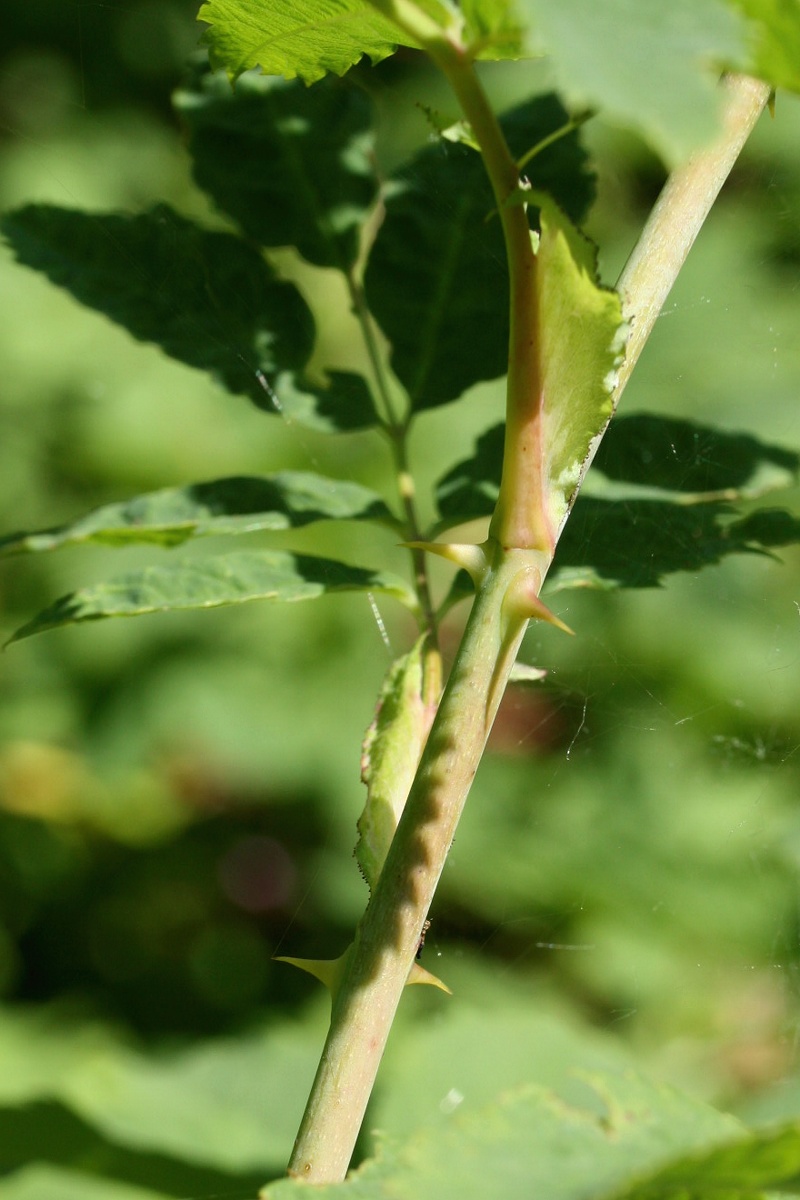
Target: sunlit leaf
[(294, 166), (286, 500), (342, 403), (653, 67), (494, 28), (206, 298), (774, 40), (308, 38), (437, 279), (632, 1139), (212, 582)]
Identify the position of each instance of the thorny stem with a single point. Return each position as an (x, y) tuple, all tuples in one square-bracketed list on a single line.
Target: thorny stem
[(388, 934)]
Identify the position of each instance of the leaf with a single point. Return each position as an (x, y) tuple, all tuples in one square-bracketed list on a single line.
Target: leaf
[(652, 67), (436, 279), (53, 1183), (392, 749), (635, 543), (197, 1105), (774, 40), (286, 500), (494, 28), (628, 1140), (294, 166), (212, 582), (308, 38), (683, 456), (580, 340), (342, 404), (206, 298)]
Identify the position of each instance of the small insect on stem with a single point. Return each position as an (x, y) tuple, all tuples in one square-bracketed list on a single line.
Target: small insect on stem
[(425, 929)]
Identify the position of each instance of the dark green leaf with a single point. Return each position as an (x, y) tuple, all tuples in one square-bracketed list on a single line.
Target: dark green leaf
[(470, 489), (211, 582), (292, 165), (285, 500), (682, 456), (635, 543), (343, 403), (436, 279), (208, 299)]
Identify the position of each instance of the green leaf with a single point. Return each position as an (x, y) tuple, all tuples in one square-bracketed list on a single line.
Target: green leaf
[(392, 750), (683, 456), (286, 500), (294, 166), (635, 543), (774, 40), (652, 67), (211, 582), (629, 1139), (494, 28), (308, 38), (342, 404), (206, 298), (197, 1105), (436, 278), (53, 1183)]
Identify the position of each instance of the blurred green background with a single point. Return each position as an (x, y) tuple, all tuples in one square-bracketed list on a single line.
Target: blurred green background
[(178, 794)]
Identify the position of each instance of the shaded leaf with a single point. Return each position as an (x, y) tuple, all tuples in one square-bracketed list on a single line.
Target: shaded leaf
[(652, 67), (286, 500), (392, 749), (308, 38), (199, 1105), (683, 456), (342, 404), (636, 543), (294, 166), (212, 582), (206, 298), (436, 279), (37, 1182), (625, 1141)]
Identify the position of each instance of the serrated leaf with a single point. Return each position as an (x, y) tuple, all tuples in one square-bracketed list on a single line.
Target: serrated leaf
[(684, 456), (285, 500), (774, 40), (636, 543), (206, 298), (629, 1140), (294, 166), (652, 67), (392, 749), (436, 279), (308, 38), (211, 583)]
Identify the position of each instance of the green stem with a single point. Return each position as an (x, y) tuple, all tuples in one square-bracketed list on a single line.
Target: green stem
[(389, 933), (397, 432)]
